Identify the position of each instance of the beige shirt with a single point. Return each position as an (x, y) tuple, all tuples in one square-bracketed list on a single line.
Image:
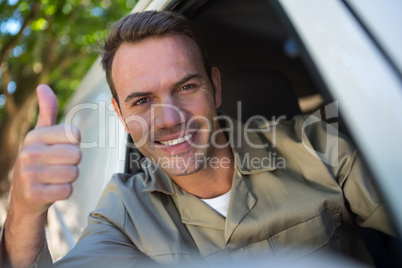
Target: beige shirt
[(285, 211)]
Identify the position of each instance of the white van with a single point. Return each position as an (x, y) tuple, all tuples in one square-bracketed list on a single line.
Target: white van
[(303, 54)]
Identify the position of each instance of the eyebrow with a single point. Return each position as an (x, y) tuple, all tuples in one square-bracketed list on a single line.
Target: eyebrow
[(136, 95), (187, 78), (177, 84)]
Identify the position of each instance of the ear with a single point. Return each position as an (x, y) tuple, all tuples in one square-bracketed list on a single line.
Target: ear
[(118, 112), (216, 81)]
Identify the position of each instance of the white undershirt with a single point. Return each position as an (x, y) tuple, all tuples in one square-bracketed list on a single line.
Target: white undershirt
[(220, 203)]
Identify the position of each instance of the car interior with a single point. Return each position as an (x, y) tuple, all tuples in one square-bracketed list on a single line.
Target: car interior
[(255, 65), (263, 66)]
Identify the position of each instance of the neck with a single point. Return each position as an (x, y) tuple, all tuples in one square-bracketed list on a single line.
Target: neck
[(214, 179)]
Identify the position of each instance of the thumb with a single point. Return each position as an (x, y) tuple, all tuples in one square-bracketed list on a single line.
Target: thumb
[(48, 106)]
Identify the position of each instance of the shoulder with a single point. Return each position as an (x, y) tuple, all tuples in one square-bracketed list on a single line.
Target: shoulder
[(307, 141), (121, 190), (313, 135)]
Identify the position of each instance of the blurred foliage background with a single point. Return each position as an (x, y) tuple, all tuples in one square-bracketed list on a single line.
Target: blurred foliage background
[(44, 41)]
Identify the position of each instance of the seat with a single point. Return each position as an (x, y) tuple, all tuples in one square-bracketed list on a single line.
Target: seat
[(261, 92)]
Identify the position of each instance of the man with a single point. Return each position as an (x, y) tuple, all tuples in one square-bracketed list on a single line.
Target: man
[(200, 195)]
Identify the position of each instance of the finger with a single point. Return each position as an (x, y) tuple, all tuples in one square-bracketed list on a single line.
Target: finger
[(51, 193), (58, 174), (45, 155), (54, 134), (63, 154), (48, 106)]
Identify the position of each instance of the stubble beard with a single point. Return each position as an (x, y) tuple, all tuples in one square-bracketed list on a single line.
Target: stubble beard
[(187, 165)]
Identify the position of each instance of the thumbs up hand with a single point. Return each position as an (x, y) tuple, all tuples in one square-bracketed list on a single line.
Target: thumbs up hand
[(46, 166), (43, 173)]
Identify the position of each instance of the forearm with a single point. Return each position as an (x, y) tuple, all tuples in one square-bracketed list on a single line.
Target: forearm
[(24, 236)]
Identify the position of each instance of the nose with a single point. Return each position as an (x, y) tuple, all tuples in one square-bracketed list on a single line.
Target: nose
[(167, 114)]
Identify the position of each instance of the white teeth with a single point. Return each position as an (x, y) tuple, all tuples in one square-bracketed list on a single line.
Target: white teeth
[(177, 141)]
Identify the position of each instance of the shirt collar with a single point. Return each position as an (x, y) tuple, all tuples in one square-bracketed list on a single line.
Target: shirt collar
[(251, 147), (156, 179)]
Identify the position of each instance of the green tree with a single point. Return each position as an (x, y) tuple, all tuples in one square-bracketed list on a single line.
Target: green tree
[(44, 41)]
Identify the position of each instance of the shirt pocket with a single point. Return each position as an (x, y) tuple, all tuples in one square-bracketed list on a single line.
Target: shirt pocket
[(306, 237)]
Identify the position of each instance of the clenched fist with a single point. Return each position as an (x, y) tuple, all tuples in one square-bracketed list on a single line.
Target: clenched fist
[(47, 163)]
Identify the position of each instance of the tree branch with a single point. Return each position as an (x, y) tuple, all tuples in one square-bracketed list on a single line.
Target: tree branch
[(14, 39)]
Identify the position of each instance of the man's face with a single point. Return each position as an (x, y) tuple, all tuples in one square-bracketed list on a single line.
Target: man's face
[(167, 101)]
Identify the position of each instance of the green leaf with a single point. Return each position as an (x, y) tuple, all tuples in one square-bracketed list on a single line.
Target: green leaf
[(39, 24)]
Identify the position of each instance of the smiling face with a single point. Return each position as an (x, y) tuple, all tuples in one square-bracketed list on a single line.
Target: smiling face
[(167, 102)]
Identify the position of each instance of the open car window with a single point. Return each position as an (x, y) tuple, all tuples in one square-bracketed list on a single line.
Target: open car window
[(278, 58)]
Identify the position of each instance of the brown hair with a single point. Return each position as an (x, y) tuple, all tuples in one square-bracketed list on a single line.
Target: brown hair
[(138, 26)]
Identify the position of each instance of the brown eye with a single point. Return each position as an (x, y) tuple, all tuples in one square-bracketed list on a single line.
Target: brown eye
[(141, 101), (187, 87)]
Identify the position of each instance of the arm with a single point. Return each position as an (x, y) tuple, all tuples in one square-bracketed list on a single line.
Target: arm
[(344, 163), (363, 198), (103, 244), (109, 239), (44, 170)]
